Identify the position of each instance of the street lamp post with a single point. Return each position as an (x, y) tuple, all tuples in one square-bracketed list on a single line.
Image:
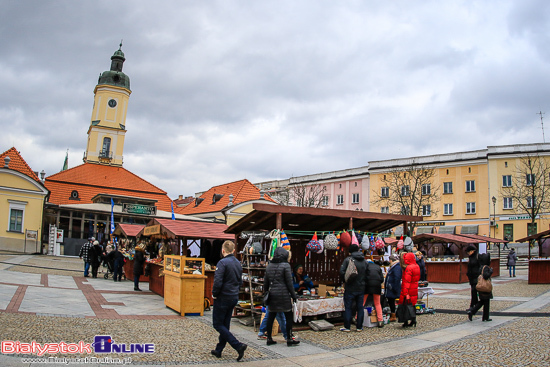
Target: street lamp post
[(494, 213)]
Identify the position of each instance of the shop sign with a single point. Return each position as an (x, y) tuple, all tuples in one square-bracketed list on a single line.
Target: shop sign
[(426, 224), (31, 235), (139, 209), (519, 217), (148, 231)]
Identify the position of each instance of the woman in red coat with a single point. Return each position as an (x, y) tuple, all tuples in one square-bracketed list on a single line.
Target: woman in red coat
[(409, 283)]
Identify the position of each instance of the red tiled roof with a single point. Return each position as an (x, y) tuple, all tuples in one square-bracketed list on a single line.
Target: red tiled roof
[(17, 163), (242, 191), (130, 230), (192, 229), (91, 179)]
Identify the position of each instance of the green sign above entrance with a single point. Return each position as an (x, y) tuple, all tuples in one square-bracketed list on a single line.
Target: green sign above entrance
[(139, 209)]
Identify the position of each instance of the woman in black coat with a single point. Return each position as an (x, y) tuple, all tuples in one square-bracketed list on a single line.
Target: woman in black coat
[(374, 280), (392, 287), (278, 284), (484, 297), (96, 254), (139, 260), (473, 273)]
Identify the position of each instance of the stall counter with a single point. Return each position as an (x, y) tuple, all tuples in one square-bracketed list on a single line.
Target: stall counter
[(156, 282), (539, 271), (129, 271), (454, 271)]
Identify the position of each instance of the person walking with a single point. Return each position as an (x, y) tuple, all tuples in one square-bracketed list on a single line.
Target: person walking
[(354, 289), (472, 273), (511, 261), (281, 319), (280, 294), (421, 265), (225, 291), (507, 238), (139, 260), (85, 255), (392, 286), (96, 255), (373, 280), (117, 259), (484, 297), (409, 284)]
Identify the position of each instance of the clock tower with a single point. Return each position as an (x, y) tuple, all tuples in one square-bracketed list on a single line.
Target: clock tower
[(108, 124)]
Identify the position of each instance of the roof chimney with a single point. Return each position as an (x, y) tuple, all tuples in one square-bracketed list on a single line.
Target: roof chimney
[(180, 197), (6, 161)]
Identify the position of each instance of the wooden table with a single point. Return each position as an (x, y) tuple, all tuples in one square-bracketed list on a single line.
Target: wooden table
[(539, 271)]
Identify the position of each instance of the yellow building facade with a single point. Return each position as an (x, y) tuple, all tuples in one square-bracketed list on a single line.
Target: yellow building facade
[(22, 197)]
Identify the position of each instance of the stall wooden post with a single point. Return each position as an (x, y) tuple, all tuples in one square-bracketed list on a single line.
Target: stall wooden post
[(279, 221)]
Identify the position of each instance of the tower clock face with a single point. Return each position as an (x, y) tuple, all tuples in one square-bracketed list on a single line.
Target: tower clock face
[(112, 103)]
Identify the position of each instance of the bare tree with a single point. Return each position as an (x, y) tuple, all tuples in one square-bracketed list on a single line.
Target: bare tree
[(306, 195), (527, 191), (409, 190)]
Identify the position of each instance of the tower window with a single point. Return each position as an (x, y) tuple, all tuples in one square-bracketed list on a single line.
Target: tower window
[(106, 149)]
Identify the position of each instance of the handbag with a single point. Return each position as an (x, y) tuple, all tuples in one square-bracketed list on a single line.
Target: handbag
[(405, 312), (484, 285), (351, 271)]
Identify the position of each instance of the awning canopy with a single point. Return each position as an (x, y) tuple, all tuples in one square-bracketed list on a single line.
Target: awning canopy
[(128, 230), (421, 230), (189, 229), (536, 236), (469, 229), (268, 217), (446, 229)]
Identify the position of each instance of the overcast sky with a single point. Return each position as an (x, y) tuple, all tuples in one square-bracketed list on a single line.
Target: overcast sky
[(226, 90)]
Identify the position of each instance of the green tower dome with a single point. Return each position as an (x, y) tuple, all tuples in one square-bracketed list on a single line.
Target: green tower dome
[(115, 76)]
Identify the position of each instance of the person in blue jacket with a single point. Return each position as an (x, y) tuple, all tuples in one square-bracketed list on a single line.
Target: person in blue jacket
[(301, 281), (392, 285)]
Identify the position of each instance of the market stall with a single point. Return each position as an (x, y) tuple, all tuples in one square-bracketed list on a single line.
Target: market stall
[(301, 225), (179, 237), (446, 260), (539, 265)]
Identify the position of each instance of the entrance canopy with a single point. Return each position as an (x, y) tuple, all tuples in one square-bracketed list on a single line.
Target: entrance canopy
[(268, 217)]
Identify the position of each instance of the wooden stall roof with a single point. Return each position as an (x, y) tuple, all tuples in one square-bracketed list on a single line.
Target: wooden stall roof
[(535, 236), (264, 217), (128, 230), (448, 238), (191, 229), (484, 238)]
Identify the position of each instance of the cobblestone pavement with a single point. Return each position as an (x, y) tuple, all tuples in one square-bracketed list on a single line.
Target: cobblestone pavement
[(47, 305), (523, 342)]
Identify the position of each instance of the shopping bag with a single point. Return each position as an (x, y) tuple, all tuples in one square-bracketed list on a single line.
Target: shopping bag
[(405, 312), (484, 285), (295, 312)]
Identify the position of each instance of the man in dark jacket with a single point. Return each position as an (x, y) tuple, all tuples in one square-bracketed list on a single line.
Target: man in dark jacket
[(354, 288), (225, 291), (85, 253), (511, 261), (473, 273)]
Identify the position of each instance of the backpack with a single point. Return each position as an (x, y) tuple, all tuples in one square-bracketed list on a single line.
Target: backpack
[(351, 271)]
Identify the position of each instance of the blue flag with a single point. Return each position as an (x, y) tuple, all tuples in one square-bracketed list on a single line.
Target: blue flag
[(112, 216), (173, 216)]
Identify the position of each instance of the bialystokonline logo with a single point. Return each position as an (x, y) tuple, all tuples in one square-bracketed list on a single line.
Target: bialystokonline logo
[(101, 344)]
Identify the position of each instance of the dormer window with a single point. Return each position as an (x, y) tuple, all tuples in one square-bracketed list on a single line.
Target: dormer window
[(74, 195), (216, 198), (198, 201)]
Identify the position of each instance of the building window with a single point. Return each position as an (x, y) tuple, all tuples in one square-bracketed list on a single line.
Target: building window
[(447, 187), (508, 203), (426, 189), (340, 185), (385, 209), (355, 199), (470, 208), (324, 201), (106, 149), (506, 164), (17, 214), (470, 186), (531, 201), (426, 210), (448, 209), (447, 171), (405, 210), (298, 202), (385, 192), (405, 190), (469, 169), (340, 200), (531, 229), (530, 179), (356, 184), (507, 181)]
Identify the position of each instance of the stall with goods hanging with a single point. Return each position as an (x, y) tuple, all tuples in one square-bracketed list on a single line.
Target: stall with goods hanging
[(539, 264), (196, 240), (446, 259), (318, 240)]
